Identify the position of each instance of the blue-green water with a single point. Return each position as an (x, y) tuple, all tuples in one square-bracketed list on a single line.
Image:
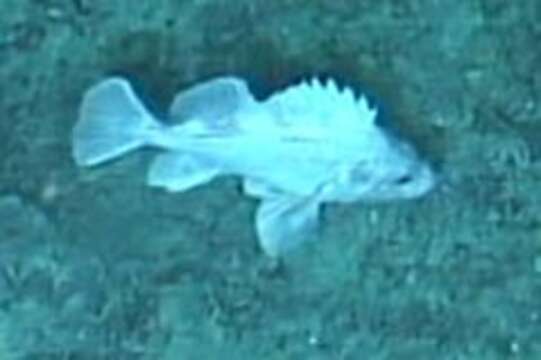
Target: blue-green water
[(95, 265)]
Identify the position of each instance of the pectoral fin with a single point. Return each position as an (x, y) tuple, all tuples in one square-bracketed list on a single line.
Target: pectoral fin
[(283, 222)]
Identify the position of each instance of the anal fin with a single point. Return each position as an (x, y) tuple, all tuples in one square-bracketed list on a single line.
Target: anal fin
[(178, 171)]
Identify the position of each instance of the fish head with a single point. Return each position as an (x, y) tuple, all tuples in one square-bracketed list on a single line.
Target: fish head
[(389, 169)]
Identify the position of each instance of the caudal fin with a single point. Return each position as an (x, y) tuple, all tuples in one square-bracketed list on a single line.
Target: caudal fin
[(112, 122)]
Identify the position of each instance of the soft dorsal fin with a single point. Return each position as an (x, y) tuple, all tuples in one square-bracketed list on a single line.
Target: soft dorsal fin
[(213, 102)]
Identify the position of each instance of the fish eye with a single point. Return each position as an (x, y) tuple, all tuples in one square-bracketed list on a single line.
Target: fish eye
[(404, 179)]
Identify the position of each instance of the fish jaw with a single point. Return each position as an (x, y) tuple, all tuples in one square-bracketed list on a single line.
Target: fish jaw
[(424, 183), (396, 184)]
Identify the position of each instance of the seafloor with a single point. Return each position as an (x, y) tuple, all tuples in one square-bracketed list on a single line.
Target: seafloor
[(95, 265)]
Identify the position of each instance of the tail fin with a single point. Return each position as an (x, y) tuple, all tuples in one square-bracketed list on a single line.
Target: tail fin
[(112, 122)]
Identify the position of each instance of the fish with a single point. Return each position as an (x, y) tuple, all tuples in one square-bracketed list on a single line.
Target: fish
[(311, 143)]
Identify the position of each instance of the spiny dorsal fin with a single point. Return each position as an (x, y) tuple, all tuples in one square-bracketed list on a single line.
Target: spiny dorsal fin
[(316, 102)]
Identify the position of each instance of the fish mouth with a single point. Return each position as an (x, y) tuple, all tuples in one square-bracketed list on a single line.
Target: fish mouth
[(425, 182)]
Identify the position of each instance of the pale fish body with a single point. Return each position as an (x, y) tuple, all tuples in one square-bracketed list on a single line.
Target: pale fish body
[(308, 144)]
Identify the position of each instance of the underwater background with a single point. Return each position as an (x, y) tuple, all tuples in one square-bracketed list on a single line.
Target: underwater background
[(96, 265)]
